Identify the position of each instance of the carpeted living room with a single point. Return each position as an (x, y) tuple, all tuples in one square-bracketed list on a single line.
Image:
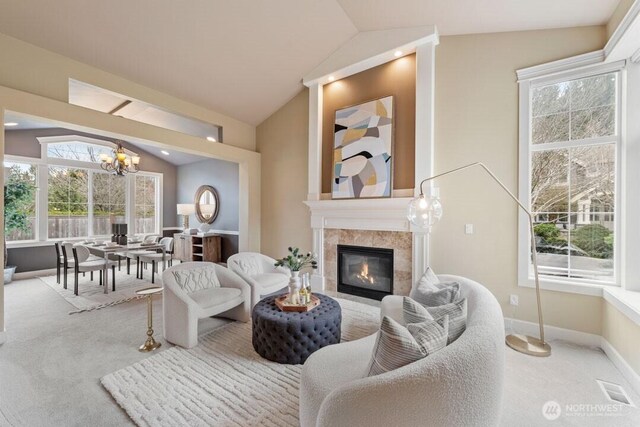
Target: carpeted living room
[(305, 213)]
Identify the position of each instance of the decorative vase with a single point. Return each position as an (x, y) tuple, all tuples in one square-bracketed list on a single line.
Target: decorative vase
[(294, 287), (9, 271)]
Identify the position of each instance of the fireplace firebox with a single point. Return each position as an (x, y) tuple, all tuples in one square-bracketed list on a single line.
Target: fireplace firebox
[(365, 271)]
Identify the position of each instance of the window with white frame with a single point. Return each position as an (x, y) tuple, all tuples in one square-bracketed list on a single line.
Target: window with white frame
[(68, 202), (145, 205), (76, 198), (572, 176), (20, 213)]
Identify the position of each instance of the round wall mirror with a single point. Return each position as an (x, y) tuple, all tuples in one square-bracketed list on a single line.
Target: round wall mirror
[(207, 204)]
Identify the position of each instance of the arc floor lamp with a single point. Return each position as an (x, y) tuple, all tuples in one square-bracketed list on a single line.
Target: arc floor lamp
[(424, 211)]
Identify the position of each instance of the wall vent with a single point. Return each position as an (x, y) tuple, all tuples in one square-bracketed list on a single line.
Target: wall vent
[(615, 393)]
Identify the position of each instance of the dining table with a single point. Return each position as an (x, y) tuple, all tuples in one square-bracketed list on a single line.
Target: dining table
[(103, 250)]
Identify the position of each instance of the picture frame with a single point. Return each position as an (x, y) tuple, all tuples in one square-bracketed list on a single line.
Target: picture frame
[(363, 140)]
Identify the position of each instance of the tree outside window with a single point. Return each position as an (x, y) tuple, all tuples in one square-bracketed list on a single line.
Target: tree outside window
[(573, 176)]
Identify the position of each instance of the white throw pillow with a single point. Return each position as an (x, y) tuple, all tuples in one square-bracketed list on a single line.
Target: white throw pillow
[(442, 293), (429, 279), (397, 346), (197, 279)]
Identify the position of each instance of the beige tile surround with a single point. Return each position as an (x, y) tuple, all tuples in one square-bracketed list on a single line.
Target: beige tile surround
[(400, 242)]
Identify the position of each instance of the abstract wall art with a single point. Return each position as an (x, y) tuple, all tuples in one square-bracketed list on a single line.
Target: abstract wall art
[(362, 150)]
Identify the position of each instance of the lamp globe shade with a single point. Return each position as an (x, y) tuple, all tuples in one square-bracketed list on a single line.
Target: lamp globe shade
[(424, 211)]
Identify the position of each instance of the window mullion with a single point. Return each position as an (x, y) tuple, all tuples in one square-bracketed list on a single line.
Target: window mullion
[(42, 205), (90, 206)]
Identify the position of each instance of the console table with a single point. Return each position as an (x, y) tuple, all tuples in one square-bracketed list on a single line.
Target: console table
[(197, 247)]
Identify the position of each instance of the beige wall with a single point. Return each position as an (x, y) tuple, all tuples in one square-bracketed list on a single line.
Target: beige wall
[(282, 141), (618, 15), (477, 120), (31, 69), (623, 334)]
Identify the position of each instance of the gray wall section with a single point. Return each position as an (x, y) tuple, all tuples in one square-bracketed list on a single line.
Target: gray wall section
[(24, 143), (32, 258), (224, 177)]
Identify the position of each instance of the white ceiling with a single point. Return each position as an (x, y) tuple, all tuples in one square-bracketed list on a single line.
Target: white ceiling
[(477, 16), (246, 58)]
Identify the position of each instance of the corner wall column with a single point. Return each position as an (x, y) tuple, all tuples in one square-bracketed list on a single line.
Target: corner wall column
[(425, 153), (315, 142)]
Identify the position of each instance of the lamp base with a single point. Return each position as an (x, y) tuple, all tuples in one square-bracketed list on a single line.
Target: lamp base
[(529, 345)]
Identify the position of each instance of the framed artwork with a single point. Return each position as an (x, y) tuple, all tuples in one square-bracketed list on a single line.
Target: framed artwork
[(362, 150)]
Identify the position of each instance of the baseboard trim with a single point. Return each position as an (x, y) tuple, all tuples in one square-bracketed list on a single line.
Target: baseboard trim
[(552, 332), (580, 338), (32, 274), (627, 371), (3, 337)]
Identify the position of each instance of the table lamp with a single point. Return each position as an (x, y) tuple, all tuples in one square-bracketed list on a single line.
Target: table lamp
[(185, 210)]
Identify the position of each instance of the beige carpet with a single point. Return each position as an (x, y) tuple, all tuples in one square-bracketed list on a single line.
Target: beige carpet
[(222, 381), (91, 295)]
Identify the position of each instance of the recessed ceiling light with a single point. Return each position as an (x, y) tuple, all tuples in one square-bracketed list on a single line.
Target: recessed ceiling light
[(9, 124), (331, 78), (397, 53), (211, 139), (165, 152)]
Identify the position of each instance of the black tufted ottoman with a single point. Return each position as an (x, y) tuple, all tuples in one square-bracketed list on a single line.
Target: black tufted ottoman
[(289, 337)]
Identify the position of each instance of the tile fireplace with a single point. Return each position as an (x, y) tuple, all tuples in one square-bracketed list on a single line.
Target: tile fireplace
[(365, 271)]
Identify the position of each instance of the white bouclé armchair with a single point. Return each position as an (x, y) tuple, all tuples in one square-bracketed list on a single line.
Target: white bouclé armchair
[(196, 290), (260, 272), (460, 385)]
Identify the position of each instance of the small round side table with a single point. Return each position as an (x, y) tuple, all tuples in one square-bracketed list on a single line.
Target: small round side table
[(150, 344)]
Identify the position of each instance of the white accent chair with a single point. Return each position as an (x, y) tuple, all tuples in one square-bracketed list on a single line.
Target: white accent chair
[(260, 272), (196, 290), (460, 385)]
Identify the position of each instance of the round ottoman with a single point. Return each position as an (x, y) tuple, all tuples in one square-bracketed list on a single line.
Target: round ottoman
[(290, 337)]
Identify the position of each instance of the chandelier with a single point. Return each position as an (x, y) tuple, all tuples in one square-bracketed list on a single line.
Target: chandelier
[(119, 163)]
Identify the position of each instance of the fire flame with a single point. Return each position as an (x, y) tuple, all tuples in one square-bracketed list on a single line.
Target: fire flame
[(364, 274)]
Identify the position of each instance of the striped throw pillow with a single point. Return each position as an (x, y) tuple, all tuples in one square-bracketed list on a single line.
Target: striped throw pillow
[(413, 312), (397, 346), (454, 314)]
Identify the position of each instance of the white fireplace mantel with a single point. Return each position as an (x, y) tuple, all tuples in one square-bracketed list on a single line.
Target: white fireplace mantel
[(366, 51), (360, 214)]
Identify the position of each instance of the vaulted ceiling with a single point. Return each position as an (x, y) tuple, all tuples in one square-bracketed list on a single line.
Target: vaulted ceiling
[(246, 58)]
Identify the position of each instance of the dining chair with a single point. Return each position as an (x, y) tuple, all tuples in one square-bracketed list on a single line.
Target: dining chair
[(59, 262), (151, 238), (83, 262), (67, 260), (157, 257)]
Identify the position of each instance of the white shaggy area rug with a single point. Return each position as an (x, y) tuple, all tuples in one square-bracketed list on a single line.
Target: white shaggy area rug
[(91, 295), (222, 381)]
